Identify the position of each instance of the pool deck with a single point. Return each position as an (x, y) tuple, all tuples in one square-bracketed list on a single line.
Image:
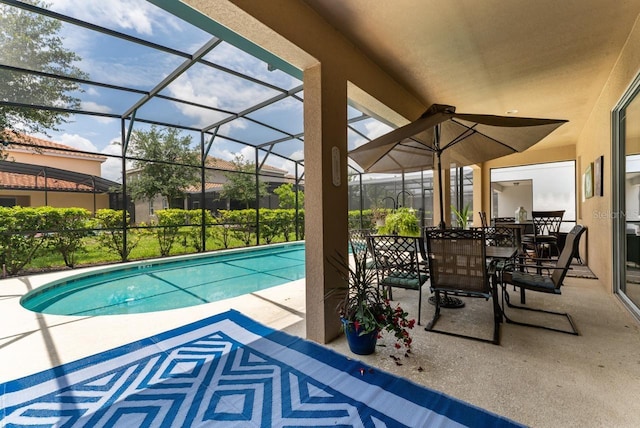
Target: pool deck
[(537, 377), (31, 342)]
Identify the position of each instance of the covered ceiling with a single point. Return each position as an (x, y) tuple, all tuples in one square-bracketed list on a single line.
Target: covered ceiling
[(543, 58)]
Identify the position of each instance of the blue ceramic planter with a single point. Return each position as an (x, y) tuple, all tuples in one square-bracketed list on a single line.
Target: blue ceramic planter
[(360, 344)]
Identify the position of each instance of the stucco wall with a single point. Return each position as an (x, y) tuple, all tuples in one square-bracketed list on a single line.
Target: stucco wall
[(61, 199), (595, 140), (84, 166)]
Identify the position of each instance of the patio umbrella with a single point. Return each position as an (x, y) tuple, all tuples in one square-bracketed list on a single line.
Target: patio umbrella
[(468, 138)]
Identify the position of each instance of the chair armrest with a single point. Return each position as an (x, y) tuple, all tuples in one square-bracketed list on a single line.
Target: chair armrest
[(513, 266)]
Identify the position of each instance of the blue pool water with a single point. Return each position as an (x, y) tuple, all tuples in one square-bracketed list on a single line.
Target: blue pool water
[(170, 284)]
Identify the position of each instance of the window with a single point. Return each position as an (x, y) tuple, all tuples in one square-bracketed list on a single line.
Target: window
[(7, 201), (553, 187)]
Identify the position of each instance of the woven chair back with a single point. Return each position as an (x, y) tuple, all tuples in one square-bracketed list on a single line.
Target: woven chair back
[(503, 236), (358, 241), (397, 256), (499, 221), (569, 251), (457, 260), (547, 222)]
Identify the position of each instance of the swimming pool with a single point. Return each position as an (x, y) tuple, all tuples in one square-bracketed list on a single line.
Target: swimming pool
[(170, 284)]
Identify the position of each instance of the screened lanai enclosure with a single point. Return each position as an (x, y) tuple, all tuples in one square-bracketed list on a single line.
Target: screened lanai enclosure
[(184, 116)]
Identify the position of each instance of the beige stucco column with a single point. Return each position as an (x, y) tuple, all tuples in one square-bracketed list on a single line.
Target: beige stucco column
[(480, 203), (326, 203)]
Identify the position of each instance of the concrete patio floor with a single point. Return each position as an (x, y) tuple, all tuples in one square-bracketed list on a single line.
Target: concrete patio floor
[(537, 377)]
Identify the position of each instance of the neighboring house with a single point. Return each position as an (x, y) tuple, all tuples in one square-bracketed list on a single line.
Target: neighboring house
[(39, 172), (214, 181)]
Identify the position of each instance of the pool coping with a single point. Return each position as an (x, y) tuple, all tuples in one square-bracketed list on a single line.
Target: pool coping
[(78, 274), (32, 342)]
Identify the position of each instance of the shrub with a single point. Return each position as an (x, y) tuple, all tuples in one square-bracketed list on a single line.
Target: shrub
[(194, 234), (111, 235), (20, 236), (169, 222), (242, 224), (68, 226)]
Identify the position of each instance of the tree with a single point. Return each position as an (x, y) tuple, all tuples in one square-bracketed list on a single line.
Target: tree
[(241, 185), (31, 41), (287, 196), (165, 169)]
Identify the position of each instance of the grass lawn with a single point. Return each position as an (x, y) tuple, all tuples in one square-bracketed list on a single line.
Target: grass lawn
[(146, 247)]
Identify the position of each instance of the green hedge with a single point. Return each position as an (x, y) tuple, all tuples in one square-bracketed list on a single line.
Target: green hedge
[(45, 238)]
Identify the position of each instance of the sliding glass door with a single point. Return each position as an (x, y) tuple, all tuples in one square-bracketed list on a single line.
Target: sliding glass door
[(626, 175)]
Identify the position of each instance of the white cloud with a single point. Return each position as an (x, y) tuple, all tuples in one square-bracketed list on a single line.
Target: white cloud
[(93, 106), (131, 14), (216, 90), (297, 155), (249, 153), (112, 167), (376, 129), (78, 142)]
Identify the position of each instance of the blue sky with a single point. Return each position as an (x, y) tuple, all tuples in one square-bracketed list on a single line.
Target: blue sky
[(115, 61)]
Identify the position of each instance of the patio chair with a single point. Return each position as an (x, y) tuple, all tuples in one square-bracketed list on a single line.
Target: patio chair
[(397, 264), (503, 236), (544, 239), (499, 221), (507, 235), (359, 243), (483, 218), (520, 277), (457, 264)]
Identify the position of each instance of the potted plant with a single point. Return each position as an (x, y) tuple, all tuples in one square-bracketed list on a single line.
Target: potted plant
[(462, 216), (378, 215), (365, 311), (401, 222)]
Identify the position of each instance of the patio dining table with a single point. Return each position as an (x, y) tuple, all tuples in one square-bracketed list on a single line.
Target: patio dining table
[(501, 253), (495, 254)]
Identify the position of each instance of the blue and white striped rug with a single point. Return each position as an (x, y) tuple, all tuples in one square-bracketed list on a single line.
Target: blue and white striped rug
[(228, 371)]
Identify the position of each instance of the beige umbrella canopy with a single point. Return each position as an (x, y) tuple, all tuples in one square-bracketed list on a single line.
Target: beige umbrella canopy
[(468, 139)]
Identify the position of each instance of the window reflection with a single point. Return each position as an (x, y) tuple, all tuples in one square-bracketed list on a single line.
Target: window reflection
[(631, 132)]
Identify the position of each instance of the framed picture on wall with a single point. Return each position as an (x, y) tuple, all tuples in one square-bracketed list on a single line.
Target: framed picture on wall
[(587, 180), (597, 176)]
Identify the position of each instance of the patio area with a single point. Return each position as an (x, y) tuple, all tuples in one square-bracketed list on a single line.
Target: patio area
[(539, 378)]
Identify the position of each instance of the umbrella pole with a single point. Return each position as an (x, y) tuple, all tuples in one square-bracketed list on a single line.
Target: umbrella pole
[(436, 145), (446, 301), (442, 224)]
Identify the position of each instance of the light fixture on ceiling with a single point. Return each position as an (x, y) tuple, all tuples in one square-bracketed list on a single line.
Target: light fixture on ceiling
[(513, 111)]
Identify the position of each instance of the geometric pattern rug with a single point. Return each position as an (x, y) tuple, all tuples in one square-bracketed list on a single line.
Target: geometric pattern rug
[(228, 371)]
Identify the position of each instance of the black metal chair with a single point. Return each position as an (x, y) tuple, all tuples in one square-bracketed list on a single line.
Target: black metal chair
[(397, 264), (519, 276), (457, 264), (483, 218), (359, 243), (499, 221), (503, 236), (544, 239), (506, 235)]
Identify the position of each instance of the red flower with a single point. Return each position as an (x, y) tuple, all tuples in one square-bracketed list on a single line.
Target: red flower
[(356, 325)]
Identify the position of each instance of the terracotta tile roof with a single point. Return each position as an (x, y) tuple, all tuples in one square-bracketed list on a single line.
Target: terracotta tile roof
[(207, 187), (229, 166), (12, 180), (25, 142)]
